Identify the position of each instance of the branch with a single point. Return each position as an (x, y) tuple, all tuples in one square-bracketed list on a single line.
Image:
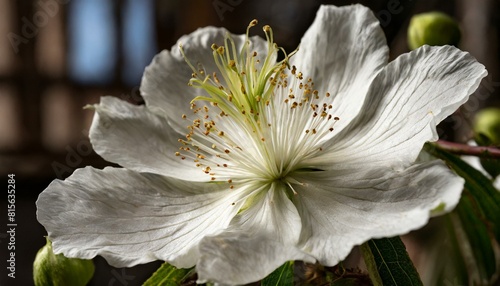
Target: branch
[(464, 149)]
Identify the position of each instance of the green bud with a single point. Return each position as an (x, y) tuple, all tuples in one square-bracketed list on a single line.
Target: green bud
[(50, 269), (487, 125), (487, 133), (434, 29)]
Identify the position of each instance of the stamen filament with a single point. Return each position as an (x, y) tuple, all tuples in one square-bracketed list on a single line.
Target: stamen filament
[(264, 121)]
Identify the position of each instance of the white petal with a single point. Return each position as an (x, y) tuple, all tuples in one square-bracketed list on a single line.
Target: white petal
[(164, 84), (240, 258), (404, 104), (271, 212), (342, 52), (260, 238), (131, 218), (139, 140), (342, 209), (476, 163)]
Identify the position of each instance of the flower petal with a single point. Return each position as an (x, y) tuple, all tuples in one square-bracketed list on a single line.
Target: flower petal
[(404, 104), (164, 84), (342, 209), (342, 52), (260, 238), (131, 218), (241, 258), (139, 140), (272, 213)]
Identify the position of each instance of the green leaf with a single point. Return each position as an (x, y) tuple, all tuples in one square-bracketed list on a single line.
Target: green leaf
[(389, 263), (455, 265), (478, 237), (492, 166), (280, 276), (167, 275), (477, 185)]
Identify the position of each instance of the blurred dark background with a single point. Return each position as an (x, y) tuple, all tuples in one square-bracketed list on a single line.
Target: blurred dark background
[(56, 56)]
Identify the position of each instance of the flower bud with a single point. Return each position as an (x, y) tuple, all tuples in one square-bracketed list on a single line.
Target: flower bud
[(487, 133), (487, 123), (434, 29), (58, 270)]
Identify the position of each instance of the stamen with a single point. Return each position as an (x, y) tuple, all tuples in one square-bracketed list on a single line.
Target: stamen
[(291, 188), (265, 117)]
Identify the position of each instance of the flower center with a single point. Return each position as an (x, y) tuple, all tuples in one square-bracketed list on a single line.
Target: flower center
[(259, 118)]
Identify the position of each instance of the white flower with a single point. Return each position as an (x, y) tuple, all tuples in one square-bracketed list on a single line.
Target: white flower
[(275, 166)]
